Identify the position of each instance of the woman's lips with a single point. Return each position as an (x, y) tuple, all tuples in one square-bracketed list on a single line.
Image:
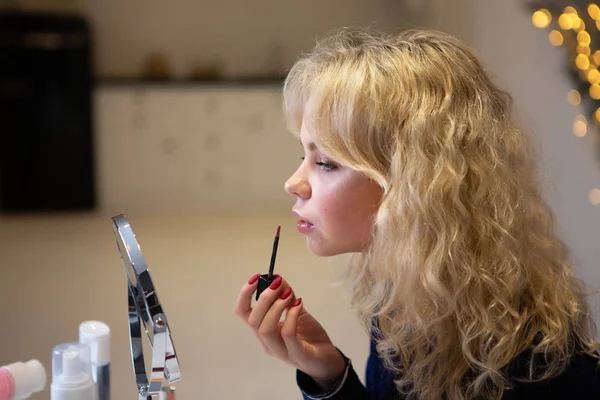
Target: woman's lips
[(304, 226)]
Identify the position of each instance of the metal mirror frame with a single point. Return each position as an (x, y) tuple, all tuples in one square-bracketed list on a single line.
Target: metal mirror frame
[(145, 310)]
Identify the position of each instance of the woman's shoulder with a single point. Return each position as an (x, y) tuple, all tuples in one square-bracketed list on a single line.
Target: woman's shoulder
[(580, 380)]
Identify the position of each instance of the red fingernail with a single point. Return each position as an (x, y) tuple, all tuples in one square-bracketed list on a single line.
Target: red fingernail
[(253, 279), (276, 283), (297, 302), (286, 293)]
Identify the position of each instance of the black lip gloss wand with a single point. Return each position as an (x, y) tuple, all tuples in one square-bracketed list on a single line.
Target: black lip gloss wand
[(265, 280)]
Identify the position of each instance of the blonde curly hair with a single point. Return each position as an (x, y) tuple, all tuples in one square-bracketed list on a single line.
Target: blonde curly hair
[(464, 272)]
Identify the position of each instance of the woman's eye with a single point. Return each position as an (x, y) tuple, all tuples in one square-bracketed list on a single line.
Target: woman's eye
[(326, 166)]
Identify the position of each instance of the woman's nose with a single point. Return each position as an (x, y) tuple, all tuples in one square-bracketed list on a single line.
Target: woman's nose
[(297, 185)]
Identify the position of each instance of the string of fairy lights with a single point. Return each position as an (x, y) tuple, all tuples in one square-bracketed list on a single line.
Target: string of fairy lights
[(578, 31)]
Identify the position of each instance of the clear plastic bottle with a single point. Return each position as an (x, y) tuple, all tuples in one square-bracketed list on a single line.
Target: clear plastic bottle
[(72, 373)]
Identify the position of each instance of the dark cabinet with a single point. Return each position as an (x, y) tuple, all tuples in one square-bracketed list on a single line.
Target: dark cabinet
[(46, 127)]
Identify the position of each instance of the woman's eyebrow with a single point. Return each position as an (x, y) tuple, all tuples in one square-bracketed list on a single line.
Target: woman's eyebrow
[(311, 146)]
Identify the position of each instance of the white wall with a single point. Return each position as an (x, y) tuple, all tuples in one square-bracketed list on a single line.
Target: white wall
[(245, 37)]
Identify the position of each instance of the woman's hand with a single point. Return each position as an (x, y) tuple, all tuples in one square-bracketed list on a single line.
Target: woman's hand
[(299, 340)]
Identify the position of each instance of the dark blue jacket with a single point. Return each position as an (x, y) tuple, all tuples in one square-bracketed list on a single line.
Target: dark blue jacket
[(580, 381)]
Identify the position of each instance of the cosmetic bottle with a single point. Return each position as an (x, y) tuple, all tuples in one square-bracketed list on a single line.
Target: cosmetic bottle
[(96, 335), (72, 373), (20, 380)]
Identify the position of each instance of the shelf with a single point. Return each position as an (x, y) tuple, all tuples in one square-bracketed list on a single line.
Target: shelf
[(243, 81)]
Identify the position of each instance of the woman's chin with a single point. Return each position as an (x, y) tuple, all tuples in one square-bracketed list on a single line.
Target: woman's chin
[(323, 248)]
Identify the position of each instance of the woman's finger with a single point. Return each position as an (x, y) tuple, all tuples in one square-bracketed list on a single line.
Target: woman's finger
[(269, 330), (243, 307), (265, 301), (289, 330)]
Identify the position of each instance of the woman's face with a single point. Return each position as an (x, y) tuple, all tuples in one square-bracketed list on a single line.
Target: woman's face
[(336, 205)]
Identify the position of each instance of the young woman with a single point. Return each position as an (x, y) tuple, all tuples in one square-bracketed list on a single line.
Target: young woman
[(413, 164)]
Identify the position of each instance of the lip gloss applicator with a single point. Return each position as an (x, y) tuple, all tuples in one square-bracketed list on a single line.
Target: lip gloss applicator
[(265, 280)]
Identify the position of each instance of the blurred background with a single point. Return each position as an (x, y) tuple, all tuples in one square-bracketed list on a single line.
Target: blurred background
[(170, 113)]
